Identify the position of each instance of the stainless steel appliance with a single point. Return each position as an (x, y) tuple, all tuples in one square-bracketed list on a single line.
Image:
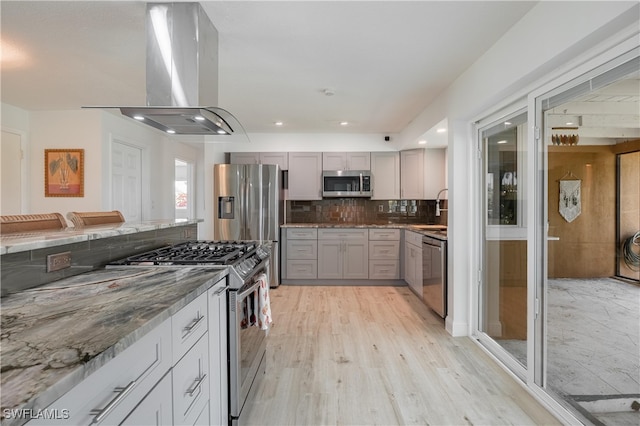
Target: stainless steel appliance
[(249, 206), (247, 345), (434, 274), (346, 183)]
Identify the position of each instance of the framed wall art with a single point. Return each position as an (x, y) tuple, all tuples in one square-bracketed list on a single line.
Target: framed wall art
[(64, 172)]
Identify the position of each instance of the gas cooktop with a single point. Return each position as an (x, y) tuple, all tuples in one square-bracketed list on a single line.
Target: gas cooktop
[(194, 253)]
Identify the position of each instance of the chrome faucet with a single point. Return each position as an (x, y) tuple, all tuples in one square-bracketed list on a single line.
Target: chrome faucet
[(438, 209)]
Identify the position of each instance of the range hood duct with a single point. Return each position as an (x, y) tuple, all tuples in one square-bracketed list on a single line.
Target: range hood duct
[(182, 73)]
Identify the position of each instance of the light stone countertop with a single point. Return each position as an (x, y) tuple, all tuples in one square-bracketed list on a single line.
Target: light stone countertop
[(435, 231), (56, 335), (18, 242)]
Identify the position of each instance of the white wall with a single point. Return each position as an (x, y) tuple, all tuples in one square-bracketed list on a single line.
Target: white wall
[(65, 129), (94, 131), (320, 142), (550, 39)]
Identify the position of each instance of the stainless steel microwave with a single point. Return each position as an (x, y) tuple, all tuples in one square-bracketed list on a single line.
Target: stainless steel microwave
[(346, 183)]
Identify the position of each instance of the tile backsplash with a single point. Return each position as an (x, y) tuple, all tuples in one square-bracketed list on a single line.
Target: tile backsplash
[(364, 211)]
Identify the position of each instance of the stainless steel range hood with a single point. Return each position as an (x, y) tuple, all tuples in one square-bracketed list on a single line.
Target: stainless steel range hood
[(182, 73)]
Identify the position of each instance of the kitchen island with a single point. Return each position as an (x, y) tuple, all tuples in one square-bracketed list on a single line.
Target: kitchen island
[(57, 335)]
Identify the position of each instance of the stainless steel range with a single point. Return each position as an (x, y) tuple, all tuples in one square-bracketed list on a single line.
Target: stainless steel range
[(247, 345)]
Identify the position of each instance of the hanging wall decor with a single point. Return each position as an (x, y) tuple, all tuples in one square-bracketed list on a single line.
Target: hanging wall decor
[(64, 172), (570, 199)]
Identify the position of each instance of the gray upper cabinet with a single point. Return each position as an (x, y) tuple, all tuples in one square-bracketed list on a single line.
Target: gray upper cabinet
[(435, 166), (412, 174), (305, 176), (346, 161), (279, 158), (385, 172), (244, 158)]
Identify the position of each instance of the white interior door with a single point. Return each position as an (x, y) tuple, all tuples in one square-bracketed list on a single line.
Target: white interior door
[(126, 181), (11, 176)]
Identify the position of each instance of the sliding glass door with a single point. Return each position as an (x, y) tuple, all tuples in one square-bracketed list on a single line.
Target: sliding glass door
[(502, 321), (588, 334)]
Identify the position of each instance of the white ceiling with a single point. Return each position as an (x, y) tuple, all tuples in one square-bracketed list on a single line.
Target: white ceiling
[(384, 61)]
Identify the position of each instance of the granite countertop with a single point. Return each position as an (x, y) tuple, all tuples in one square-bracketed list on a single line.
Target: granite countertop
[(55, 335), (13, 243), (436, 231)]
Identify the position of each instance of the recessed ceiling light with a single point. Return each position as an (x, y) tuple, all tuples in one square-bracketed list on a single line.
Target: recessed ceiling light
[(569, 123), (171, 131), (501, 142), (422, 142), (344, 123), (222, 132), (199, 118), (441, 130), (507, 123), (138, 117), (278, 123)]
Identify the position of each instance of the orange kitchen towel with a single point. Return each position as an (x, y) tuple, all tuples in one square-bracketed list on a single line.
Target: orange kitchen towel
[(264, 306)]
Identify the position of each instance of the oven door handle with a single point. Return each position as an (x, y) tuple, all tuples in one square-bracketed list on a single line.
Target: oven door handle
[(250, 290)]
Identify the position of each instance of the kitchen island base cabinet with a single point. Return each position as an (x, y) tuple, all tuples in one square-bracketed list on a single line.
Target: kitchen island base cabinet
[(155, 409), (343, 254), (191, 384), (163, 378), (113, 391), (218, 382)]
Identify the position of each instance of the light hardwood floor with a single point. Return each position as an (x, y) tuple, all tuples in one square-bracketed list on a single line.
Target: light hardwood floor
[(376, 355)]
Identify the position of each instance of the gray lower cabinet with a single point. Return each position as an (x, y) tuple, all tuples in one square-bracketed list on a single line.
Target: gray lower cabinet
[(413, 261), (302, 253), (384, 254), (343, 254)]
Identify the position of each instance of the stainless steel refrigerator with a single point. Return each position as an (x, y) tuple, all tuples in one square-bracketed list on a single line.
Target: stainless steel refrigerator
[(249, 206)]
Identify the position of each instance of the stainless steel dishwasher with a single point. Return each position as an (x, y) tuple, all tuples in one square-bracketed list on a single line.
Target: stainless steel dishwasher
[(434, 274)]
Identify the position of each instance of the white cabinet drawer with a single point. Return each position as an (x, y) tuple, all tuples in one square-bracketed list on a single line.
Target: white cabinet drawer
[(343, 234), (384, 250), (155, 408), (384, 234), (115, 389), (302, 249), (302, 269), (191, 384), (413, 238), (384, 269), (188, 325), (302, 233)]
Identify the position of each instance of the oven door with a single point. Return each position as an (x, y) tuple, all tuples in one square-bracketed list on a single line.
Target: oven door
[(247, 347)]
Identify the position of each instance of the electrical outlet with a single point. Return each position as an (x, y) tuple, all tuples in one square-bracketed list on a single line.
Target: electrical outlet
[(58, 261), (380, 208)]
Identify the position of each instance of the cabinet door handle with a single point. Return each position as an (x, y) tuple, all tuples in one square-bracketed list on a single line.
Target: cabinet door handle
[(188, 329), (196, 385), (99, 414)]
